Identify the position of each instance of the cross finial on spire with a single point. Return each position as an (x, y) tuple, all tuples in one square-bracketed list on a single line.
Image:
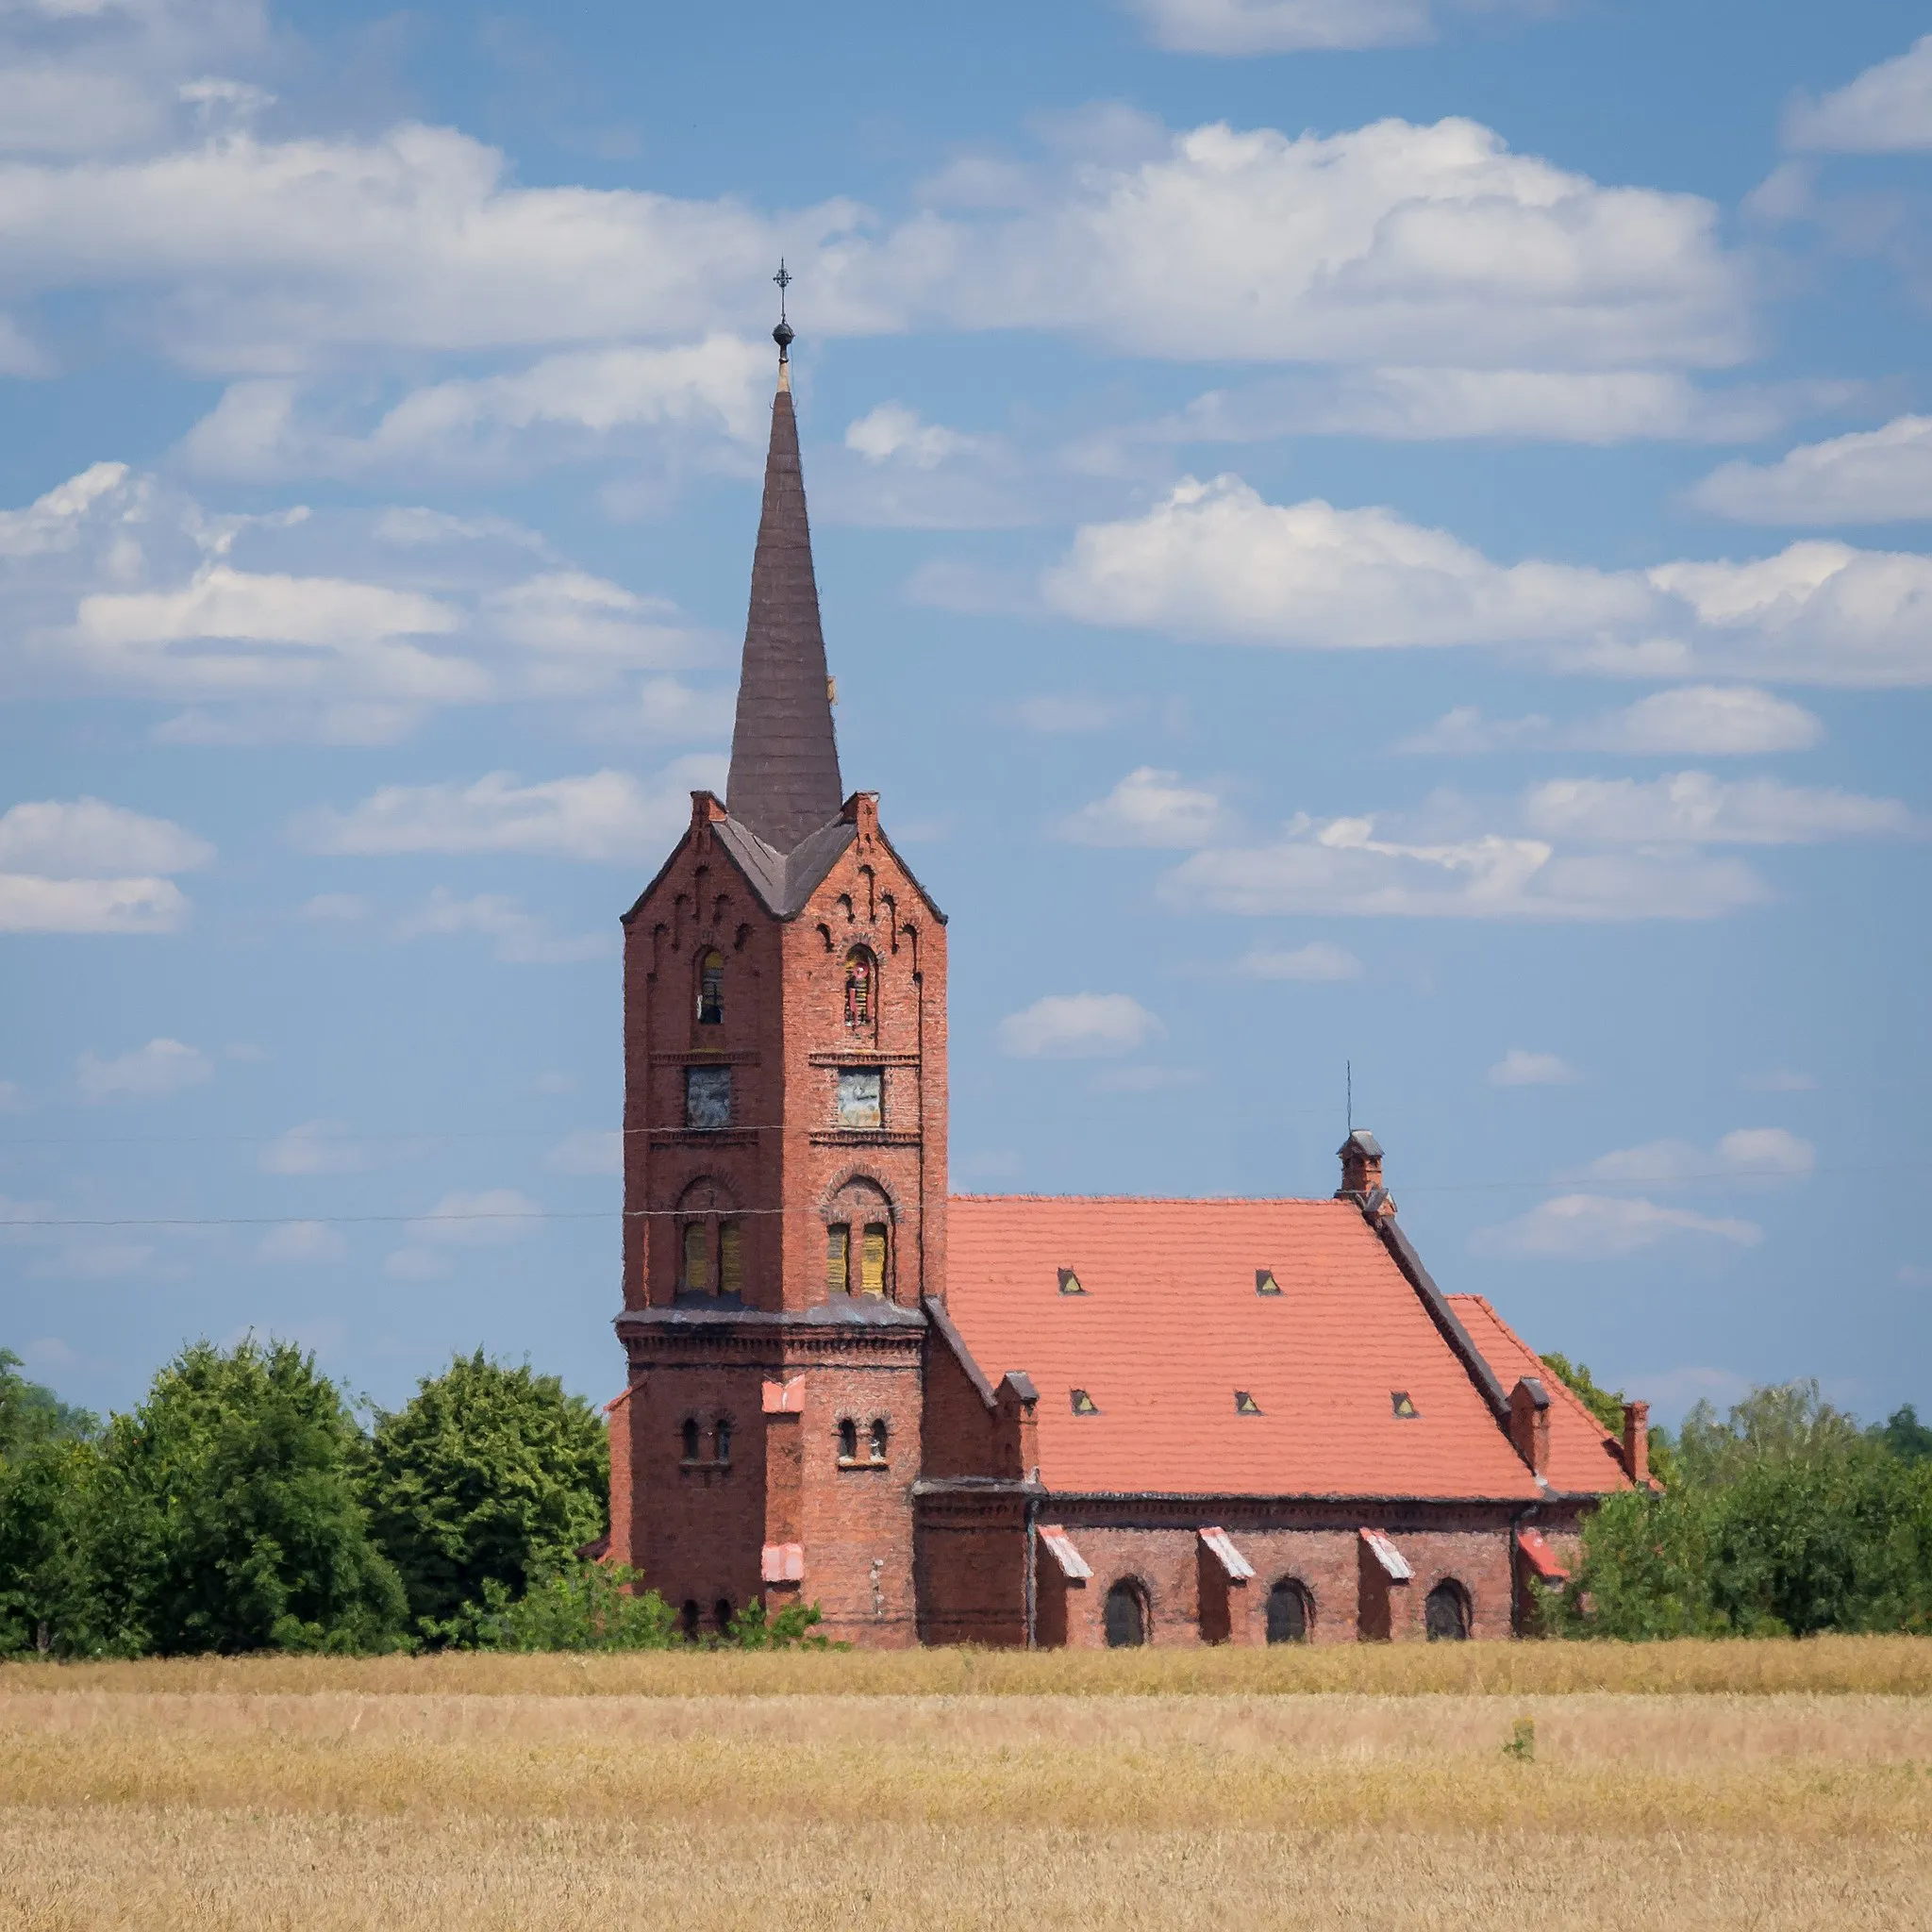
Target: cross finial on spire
[(782, 335)]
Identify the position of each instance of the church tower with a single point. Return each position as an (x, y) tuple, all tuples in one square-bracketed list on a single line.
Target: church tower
[(785, 1156)]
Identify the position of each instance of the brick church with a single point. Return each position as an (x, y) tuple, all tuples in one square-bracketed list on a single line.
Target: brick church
[(1006, 1419)]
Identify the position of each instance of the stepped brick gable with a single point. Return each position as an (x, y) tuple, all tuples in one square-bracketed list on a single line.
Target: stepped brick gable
[(1006, 1420)]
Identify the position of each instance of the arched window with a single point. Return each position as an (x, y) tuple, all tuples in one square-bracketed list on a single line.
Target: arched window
[(878, 1439), (1290, 1613), (711, 989), (688, 1618), (730, 1257), (862, 988), (696, 1276), (1447, 1612), (690, 1439), (872, 1259), (723, 1438), (838, 1258), (720, 1611), (1127, 1615), (848, 1440)]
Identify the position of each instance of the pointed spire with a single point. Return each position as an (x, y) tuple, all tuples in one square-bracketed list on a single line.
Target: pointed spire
[(784, 781)]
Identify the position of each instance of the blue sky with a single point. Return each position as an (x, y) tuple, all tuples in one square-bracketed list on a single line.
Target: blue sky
[(1389, 531)]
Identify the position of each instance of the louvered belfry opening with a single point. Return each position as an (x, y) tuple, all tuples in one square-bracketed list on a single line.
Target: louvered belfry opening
[(784, 780)]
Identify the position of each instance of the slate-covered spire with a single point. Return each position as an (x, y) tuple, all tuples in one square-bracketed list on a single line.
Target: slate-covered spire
[(784, 781)]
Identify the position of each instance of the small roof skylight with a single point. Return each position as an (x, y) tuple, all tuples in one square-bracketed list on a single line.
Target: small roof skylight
[(1083, 1403)]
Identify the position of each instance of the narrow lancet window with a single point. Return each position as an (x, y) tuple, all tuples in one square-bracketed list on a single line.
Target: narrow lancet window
[(839, 1259), (697, 1260), (860, 974), (711, 989), (878, 1439), (848, 1440), (730, 1257), (872, 1259)]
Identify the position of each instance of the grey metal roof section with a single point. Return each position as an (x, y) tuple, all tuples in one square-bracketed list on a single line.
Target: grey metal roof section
[(784, 781), (942, 1326), (785, 881), (1365, 1140), (1445, 1317)]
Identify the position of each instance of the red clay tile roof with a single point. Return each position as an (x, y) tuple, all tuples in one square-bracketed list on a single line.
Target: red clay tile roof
[(1583, 1456), (1170, 1327)]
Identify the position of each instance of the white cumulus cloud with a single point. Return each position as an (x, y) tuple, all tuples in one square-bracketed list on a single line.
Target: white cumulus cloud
[(589, 1150), (1886, 109), (562, 406), (59, 861), (1701, 721), (518, 937), (1073, 1026), (87, 838), (1695, 809), (1149, 808), (1744, 1154), (1600, 1227), (1217, 560), (1695, 720), (303, 1242), (1871, 476), (314, 1147), (894, 431), (1520, 1066), (158, 1071), (1339, 867), (1282, 26), (604, 817), (486, 1218), (1313, 965)]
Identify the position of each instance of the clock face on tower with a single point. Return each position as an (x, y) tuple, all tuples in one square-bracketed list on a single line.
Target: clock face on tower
[(860, 1103), (707, 1097)]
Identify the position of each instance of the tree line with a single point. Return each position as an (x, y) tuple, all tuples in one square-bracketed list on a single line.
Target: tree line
[(243, 1504), (246, 1504), (1784, 1517)]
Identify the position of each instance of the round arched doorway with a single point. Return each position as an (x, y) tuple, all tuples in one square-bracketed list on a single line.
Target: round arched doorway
[(1447, 1612), (1291, 1614), (1127, 1615)]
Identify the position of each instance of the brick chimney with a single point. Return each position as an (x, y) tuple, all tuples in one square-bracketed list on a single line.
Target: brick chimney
[(1361, 1166), (1637, 1442), (1530, 1423)]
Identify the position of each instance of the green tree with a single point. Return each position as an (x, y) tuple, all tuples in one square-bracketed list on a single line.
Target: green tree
[(1905, 1435), (579, 1606), (225, 1514), (1785, 1518), (30, 1413), (1607, 1406), (488, 1475)]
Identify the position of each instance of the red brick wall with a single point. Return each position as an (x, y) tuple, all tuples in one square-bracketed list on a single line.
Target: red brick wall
[(1167, 1563), (698, 1530)]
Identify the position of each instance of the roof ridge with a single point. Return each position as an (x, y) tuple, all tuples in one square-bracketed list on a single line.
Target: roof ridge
[(1179, 1200)]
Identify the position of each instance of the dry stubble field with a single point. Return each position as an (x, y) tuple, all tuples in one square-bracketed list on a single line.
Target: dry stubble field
[(1708, 1785)]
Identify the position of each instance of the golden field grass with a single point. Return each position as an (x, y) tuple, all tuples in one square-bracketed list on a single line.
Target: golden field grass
[(1765, 1785)]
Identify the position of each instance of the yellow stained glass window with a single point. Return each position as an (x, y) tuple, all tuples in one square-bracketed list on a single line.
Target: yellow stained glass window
[(731, 1257), (839, 1259), (872, 1261), (697, 1256)]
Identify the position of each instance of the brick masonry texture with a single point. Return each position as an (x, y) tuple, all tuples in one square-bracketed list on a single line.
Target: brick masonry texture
[(1279, 1370)]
